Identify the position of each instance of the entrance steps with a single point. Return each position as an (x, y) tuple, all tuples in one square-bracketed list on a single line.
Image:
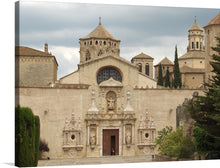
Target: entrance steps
[(96, 160)]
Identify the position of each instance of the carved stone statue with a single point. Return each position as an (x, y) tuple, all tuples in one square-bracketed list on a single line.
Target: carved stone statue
[(92, 140), (111, 103), (128, 138)]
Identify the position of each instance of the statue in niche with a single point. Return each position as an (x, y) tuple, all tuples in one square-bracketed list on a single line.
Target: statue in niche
[(128, 138), (92, 140), (111, 100), (111, 103)]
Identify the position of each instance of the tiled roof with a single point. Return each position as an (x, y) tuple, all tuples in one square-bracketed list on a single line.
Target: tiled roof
[(193, 54), (165, 61), (186, 69), (214, 21), (100, 32), (142, 55), (26, 51), (195, 27)]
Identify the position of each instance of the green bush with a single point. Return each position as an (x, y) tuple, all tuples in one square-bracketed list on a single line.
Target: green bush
[(37, 139), (174, 144), (187, 148), (26, 132)]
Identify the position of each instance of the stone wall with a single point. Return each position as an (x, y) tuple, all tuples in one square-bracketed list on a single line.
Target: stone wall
[(57, 107), (35, 70)]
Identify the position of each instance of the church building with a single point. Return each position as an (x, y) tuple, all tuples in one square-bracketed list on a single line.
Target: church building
[(109, 106)]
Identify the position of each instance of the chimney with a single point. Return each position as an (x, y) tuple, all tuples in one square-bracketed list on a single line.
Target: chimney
[(46, 48)]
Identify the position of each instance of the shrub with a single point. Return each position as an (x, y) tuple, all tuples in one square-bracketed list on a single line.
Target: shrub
[(43, 147), (174, 144), (25, 137), (37, 139)]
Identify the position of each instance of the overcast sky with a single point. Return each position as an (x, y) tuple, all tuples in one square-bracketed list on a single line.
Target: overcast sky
[(152, 30)]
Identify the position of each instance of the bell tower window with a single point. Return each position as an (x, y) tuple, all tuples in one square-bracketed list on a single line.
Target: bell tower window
[(197, 44), (88, 56), (192, 45), (147, 69), (139, 67)]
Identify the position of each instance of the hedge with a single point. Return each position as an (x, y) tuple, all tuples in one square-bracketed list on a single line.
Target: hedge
[(27, 132)]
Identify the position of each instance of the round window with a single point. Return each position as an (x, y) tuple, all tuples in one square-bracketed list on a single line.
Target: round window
[(108, 72), (73, 137), (146, 135)]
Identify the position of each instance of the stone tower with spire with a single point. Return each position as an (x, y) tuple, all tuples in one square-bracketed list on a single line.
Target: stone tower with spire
[(212, 30), (97, 44), (195, 38)]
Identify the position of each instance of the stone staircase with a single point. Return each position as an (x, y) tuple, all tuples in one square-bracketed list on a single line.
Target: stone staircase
[(96, 160)]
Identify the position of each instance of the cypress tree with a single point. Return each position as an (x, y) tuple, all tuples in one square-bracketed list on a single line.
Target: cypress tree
[(160, 76), (172, 85), (167, 81), (177, 75)]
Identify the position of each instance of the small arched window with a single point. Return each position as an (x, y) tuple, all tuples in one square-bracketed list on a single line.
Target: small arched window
[(139, 67), (147, 70), (197, 44), (96, 42), (88, 56), (192, 44)]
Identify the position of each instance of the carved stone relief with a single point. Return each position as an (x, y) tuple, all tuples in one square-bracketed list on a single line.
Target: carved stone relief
[(72, 134), (146, 132), (111, 101)]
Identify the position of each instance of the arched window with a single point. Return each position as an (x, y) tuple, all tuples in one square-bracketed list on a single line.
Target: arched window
[(139, 67), (108, 72), (147, 70), (197, 44), (192, 44), (88, 56)]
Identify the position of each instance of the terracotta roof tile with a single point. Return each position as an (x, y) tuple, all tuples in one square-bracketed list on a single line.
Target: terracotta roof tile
[(214, 21), (100, 32), (26, 51), (165, 61), (195, 27), (193, 54), (142, 55)]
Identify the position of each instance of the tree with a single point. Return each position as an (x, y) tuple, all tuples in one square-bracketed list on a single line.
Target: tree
[(167, 80), (160, 76), (202, 140), (174, 144), (205, 110), (27, 132), (177, 76)]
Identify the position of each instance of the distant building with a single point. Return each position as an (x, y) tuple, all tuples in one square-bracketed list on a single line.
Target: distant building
[(165, 64), (212, 30), (192, 64)]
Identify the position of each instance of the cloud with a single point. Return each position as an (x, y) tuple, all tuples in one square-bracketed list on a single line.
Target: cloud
[(67, 57), (152, 30)]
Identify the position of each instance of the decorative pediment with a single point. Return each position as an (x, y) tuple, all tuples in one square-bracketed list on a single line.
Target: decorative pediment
[(111, 83)]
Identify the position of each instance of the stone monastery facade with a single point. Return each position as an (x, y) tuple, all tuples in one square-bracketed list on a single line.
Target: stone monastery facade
[(109, 106)]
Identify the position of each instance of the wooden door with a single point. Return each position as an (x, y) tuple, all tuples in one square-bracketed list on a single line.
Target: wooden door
[(110, 142)]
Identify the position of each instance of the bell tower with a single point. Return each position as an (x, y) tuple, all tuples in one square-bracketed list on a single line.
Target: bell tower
[(195, 38), (97, 44)]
